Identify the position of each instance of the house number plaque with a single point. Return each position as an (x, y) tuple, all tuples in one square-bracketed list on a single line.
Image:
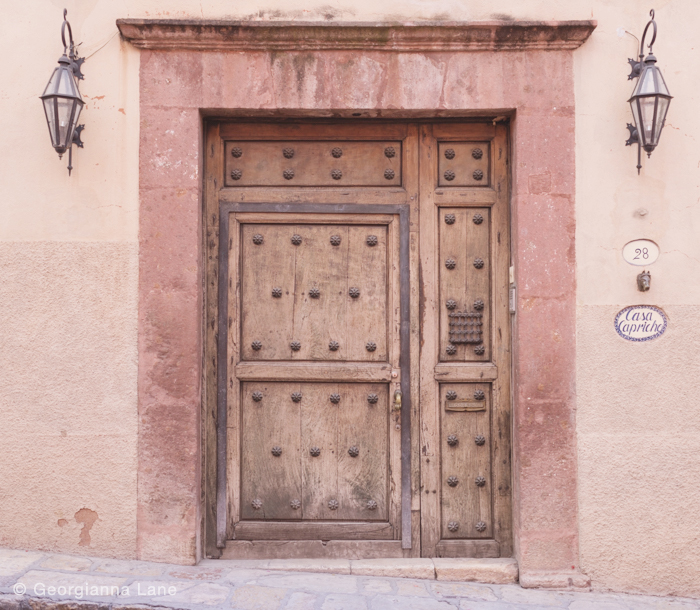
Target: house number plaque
[(640, 252)]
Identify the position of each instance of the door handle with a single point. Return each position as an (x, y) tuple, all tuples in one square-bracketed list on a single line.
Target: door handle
[(397, 401)]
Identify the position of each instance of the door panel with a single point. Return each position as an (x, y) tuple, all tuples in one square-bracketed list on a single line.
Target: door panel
[(328, 231), (319, 441)]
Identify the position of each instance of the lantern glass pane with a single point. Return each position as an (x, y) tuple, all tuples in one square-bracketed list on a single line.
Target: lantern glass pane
[(635, 113), (51, 119), (663, 89), (53, 82), (661, 111), (65, 113), (66, 85), (647, 85), (647, 105)]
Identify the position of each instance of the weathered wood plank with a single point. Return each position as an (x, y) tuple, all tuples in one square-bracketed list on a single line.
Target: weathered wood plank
[(468, 548), (465, 371), (314, 371), (313, 530)]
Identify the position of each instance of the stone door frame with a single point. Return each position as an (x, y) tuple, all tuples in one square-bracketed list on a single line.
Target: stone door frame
[(521, 70)]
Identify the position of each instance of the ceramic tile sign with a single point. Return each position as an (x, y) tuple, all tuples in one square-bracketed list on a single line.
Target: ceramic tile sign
[(640, 252), (641, 323)]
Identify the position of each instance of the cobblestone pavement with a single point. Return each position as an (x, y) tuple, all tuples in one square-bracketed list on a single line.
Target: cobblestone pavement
[(66, 582)]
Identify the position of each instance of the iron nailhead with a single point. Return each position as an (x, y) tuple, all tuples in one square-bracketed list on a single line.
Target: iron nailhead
[(478, 263), (333, 346), (295, 504), (452, 440), (335, 398), (479, 394), (371, 505), (257, 396), (256, 504), (389, 174), (288, 174), (480, 481), (450, 219), (295, 345), (451, 349), (478, 219), (370, 346), (337, 152), (479, 350), (258, 239), (333, 504), (277, 292), (453, 526), (372, 240), (236, 174), (451, 395), (480, 527), (236, 152), (452, 481), (451, 304), (478, 304), (450, 263), (277, 451), (314, 293), (389, 152), (354, 451), (372, 399), (296, 239), (479, 440), (335, 240), (354, 292), (315, 451), (288, 153), (477, 153), (256, 345), (450, 153), (296, 397), (449, 175), (336, 174), (478, 174)]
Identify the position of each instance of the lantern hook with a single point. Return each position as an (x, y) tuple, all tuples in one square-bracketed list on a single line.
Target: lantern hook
[(71, 49), (636, 65)]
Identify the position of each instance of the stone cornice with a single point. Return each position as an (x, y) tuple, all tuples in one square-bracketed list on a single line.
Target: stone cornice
[(196, 35)]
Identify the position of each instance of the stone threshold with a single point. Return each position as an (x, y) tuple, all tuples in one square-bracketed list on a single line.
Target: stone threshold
[(488, 571)]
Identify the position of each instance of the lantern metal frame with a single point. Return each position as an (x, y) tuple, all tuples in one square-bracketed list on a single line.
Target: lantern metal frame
[(68, 73), (639, 69)]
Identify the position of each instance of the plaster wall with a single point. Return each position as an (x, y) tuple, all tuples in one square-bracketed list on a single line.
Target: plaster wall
[(69, 282)]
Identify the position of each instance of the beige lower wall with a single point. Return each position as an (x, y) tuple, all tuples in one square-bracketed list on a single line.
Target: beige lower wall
[(68, 364), (638, 423)]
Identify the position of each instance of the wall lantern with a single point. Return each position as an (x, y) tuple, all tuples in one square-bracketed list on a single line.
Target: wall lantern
[(62, 100), (650, 100)]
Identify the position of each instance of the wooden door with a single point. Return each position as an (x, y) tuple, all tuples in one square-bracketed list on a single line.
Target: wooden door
[(359, 402)]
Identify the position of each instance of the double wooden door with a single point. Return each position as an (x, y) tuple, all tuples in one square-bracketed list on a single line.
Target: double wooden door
[(357, 396)]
